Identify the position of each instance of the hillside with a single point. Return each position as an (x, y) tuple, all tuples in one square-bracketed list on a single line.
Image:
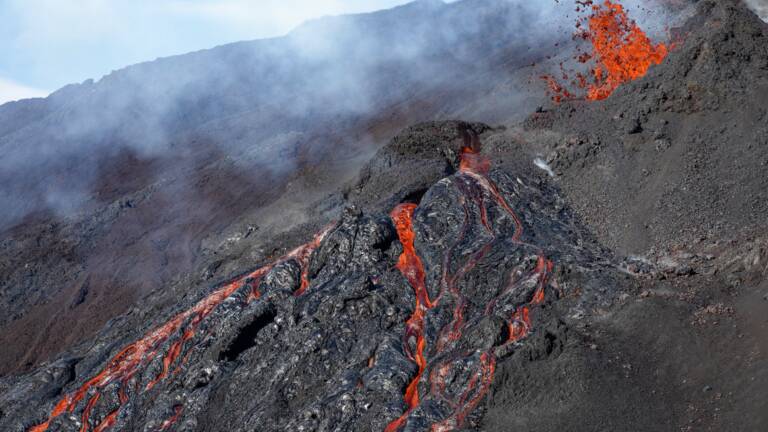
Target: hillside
[(574, 266), (116, 188)]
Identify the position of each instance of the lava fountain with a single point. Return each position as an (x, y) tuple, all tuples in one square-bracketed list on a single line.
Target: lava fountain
[(620, 52)]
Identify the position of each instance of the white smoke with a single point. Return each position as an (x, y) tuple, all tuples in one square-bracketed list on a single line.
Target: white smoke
[(261, 94), (542, 164)]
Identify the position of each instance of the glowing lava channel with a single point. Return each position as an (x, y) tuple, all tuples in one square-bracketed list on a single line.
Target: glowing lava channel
[(130, 361), (411, 267), (474, 184)]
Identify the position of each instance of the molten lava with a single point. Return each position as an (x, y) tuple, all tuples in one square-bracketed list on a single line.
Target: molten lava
[(621, 52), (411, 267), (447, 357), (472, 161), (131, 362), (477, 167), (558, 92), (409, 262)]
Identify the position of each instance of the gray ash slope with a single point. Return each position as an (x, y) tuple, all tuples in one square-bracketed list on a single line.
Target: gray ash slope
[(681, 154)]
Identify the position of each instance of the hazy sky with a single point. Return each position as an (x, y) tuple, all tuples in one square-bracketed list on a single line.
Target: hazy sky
[(46, 44)]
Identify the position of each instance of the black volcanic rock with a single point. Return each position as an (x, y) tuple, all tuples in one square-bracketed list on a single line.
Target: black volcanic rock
[(334, 357)]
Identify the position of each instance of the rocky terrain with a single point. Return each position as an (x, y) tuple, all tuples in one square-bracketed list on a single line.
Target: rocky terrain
[(592, 266), (326, 337)]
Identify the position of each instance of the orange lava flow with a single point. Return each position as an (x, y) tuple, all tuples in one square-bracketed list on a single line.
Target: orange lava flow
[(108, 421), (411, 267), (302, 255), (131, 360), (409, 262), (472, 161), (477, 189), (621, 52)]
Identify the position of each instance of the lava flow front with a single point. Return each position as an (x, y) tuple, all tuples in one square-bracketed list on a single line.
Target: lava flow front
[(445, 358), (128, 368), (621, 52)]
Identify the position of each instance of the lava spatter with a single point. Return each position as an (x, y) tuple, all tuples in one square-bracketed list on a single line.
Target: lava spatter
[(621, 52), (446, 359), (131, 362)]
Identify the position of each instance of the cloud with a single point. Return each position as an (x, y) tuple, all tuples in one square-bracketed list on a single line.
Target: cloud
[(12, 91), (272, 16), (61, 42), (760, 7)]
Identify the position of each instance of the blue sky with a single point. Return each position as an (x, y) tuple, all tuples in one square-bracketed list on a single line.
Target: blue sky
[(46, 44)]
